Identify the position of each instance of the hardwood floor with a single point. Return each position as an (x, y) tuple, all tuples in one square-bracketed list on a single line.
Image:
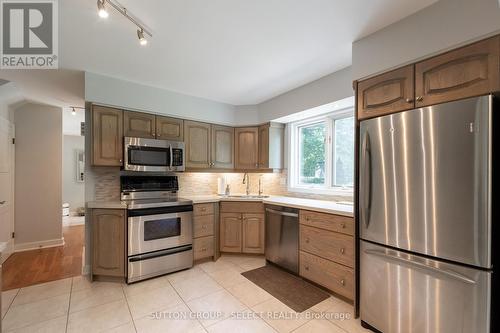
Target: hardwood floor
[(23, 269)]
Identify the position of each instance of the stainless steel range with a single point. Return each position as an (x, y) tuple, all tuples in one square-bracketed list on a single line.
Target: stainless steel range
[(160, 226)]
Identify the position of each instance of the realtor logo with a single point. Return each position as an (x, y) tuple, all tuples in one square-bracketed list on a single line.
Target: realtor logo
[(29, 34)]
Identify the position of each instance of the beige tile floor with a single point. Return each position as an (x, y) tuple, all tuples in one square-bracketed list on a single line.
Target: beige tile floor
[(210, 297)]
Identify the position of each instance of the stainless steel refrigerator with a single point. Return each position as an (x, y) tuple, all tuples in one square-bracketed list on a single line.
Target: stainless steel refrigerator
[(425, 218)]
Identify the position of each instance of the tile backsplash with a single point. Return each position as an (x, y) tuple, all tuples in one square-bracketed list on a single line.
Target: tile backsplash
[(107, 184)]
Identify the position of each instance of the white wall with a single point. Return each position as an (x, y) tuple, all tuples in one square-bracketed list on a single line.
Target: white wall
[(115, 92), (73, 192), (38, 176), (9, 94), (331, 88), (441, 26)]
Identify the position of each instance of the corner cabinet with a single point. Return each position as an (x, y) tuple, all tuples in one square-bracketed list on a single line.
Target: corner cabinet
[(107, 136), (242, 228), (108, 242), (387, 93), (472, 70), (271, 146), (246, 148)]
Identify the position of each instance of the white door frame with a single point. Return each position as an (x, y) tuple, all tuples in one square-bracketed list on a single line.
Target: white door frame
[(7, 176)]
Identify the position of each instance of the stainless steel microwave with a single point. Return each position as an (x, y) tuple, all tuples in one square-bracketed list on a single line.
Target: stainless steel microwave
[(153, 155)]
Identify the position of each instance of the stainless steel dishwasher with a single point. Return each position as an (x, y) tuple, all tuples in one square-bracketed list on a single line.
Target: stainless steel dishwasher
[(282, 237)]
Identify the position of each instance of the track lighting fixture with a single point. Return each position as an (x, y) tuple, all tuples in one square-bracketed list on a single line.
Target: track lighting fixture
[(140, 34), (101, 9), (142, 30)]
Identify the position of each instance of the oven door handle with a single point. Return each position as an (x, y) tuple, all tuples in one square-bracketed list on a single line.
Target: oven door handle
[(161, 253)]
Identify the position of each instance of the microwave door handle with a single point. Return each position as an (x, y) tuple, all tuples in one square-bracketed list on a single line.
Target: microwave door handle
[(171, 157)]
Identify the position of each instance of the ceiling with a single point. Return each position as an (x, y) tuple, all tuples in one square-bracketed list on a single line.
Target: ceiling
[(234, 51)]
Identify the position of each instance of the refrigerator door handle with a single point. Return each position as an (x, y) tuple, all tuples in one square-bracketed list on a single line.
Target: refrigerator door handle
[(367, 181), (446, 272)]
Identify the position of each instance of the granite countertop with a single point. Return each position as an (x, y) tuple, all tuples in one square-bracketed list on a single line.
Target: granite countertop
[(323, 206)]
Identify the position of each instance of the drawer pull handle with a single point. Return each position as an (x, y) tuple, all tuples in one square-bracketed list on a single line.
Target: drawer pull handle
[(203, 249), (342, 282), (342, 250)]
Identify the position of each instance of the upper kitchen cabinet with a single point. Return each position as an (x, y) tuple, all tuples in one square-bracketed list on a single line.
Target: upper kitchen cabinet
[(197, 140), (246, 148), (465, 72), (271, 137), (386, 93), (139, 124), (169, 128), (107, 136), (222, 149)]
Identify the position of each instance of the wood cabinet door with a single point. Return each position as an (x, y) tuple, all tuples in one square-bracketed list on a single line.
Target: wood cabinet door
[(246, 147), (107, 136), (264, 147), (469, 71), (387, 93), (197, 144), (108, 242), (222, 147), (169, 128), (139, 125), (230, 232), (253, 233)]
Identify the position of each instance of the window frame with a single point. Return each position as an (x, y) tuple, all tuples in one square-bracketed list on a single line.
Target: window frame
[(294, 155)]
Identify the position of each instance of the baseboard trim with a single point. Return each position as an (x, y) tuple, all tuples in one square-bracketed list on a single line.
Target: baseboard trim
[(20, 247)]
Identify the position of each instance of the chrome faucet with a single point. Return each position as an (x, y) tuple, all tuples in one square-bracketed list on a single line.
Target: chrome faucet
[(246, 181), (261, 190)]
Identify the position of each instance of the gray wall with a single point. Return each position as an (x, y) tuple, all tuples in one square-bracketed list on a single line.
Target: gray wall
[(38, 177), (73, 192), (441, 26), (328, 89)]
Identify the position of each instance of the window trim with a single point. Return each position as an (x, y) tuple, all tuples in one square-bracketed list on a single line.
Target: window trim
[(294, 163)]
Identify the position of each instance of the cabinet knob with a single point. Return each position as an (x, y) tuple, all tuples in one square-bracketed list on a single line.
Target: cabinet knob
[(342, 225), (308, 218), (121, 161), (342, 282), (203, 209), (307, 240), (342, 250), (419, 98), (203, 249), (257, 165), (306, 267), (409, 100)]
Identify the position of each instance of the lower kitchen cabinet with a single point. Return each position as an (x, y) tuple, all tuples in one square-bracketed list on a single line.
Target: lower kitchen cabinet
[(327, 247), (204, 226), (230, 232), (108, 242), (253, 233), (242, 228)]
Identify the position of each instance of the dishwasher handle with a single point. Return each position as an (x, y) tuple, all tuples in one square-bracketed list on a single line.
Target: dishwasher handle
[(277, 212)]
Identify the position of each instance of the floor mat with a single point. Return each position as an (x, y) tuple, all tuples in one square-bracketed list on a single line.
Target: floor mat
[(296, 293)]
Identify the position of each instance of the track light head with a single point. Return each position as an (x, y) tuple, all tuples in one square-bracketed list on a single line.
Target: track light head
[(73, 112), (101, 9), (142, 40)]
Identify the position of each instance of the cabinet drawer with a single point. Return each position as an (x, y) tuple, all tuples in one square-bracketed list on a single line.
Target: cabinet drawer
[(203, 247), (337, 223), (337, 278), (203, 226), (328, 244), (203, 209), (240, 206)]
